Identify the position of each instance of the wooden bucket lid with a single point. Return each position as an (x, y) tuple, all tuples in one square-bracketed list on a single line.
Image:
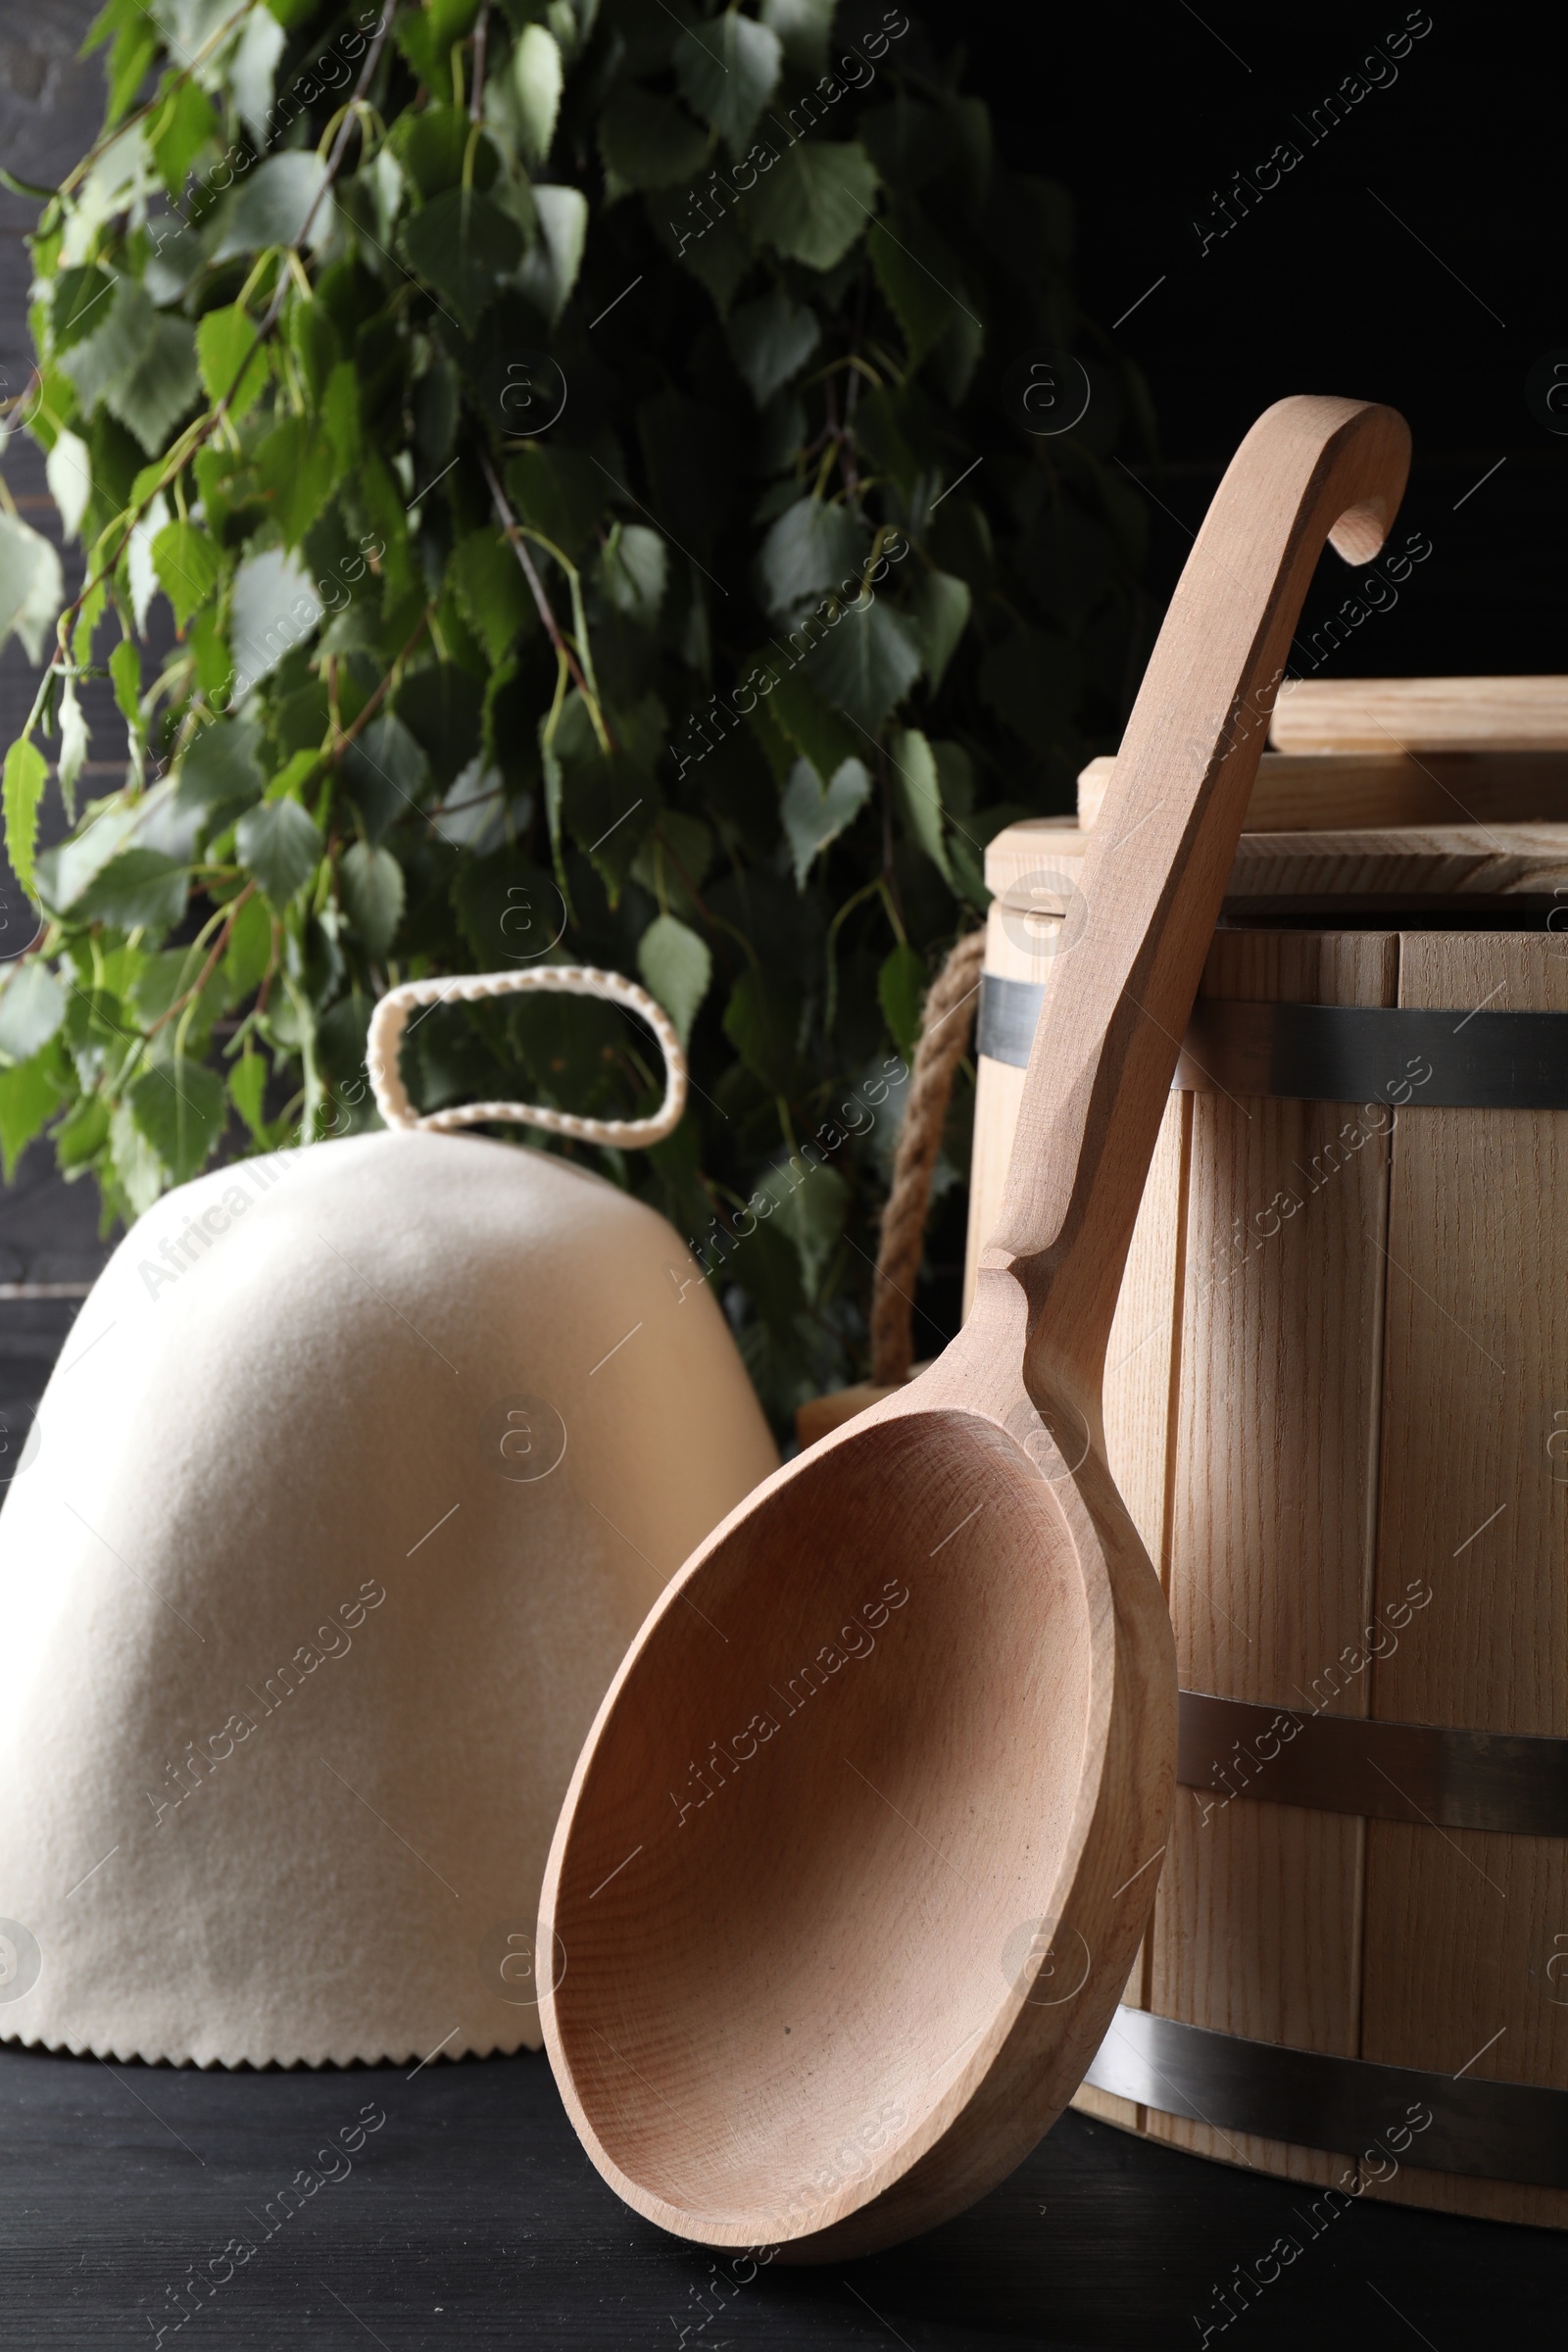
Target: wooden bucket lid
[(1391, 789)]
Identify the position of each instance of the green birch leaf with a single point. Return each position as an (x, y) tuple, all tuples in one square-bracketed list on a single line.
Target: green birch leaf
[(464, 245), (675, 860), (418, 37), (128, 62), (808, 723), (491, 591), (942, 606), (385, 773), (139, 1171), (31, 585), (33, 1006), (296, 468), (867, 661), (371, 882), (162, 385), (118, 335), (78, 307), (278, 843), (813, 546), (771, 340), (94, 605), (554, 801), (182, 1110), (815, 202), (62, 873), (919, 276), (188, 566), (918, 786), (900, 989), (650, 142), (633, 570), (137, 890), (315, 343), (168, 975), (814, 1202), (727, 73), (805, 28), (231, 365), (210, 656), (272, 608), (272, 204), (442, 706), (247, 1090), (431, 145), (426, 38), (340, 415), (124, 672), (30, 1096), (561, 492), (677, 968), (81, 1135), (609, 801), (220, 766), (957, 771), (178, 132), (537, 77), (814, 814), (27, 773), (249, 951), (955, 358), (763, 1022), (550, 265), (67, 470), (73, 741)]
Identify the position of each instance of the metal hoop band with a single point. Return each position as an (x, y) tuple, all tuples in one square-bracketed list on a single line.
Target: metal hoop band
[(1413, 1055), (1310, 2099), (1417, 1772)]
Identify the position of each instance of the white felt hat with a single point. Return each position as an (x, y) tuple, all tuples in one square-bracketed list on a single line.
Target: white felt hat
[(358, 1471)]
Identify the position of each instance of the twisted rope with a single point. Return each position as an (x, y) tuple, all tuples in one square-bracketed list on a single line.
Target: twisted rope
[(388, 1020), (946, 1027)]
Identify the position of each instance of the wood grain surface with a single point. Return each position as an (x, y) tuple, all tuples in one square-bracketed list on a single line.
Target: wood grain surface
[(1461, 1926), (1326, 790), (1423, 715), (472, 2219), (1041, 857), (1257, 1928)]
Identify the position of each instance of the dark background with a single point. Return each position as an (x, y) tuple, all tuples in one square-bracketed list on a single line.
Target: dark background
[(1145, 114), (479, 2219)]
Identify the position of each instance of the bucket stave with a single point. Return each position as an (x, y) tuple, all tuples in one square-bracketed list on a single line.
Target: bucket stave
[(1337, 1406)]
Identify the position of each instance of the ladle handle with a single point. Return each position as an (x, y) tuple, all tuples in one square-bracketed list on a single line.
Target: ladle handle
[(1121, 989)]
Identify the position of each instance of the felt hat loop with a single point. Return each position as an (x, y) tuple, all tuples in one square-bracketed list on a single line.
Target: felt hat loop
[(390, 1017)]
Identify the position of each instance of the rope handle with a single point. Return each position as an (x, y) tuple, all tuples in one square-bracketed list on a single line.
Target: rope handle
[(946, 1026), (388, 1020)]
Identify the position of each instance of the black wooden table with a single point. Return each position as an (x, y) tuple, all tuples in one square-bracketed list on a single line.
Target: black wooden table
[(469, 2217)]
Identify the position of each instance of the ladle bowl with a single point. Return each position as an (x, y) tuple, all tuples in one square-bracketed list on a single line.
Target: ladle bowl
[(867, 1919), (859, 1852)]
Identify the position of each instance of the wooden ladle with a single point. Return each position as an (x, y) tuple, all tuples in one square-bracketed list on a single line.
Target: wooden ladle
[(860, 1849)]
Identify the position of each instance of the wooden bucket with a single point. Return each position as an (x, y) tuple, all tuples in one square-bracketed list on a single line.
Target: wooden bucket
[(1337, 1406)]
